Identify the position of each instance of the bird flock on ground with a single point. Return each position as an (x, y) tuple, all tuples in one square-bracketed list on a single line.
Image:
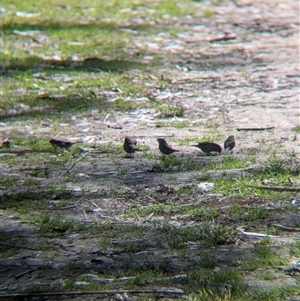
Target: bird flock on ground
[(130, 145)]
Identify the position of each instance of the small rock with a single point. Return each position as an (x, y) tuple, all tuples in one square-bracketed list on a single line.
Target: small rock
[(96, 210), (102, 260), (22, 107), (204, 187), (82, 175), (216, 270), (96, 279), (76, 191), (81, 284), (118, 297), (11, 112), (296, 264)]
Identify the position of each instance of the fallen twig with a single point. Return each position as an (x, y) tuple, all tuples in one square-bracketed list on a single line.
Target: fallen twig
[(93, 204), (106, 117), (254, 235), (20, 152), (278, 188), (73, 164), (176, 292), (149, 217), (285, 228), (8, 275), (26, 272), (152, 199), (68, 207), (85, 214), (256, 129), (225, 37), (26, 34), (64, 208)]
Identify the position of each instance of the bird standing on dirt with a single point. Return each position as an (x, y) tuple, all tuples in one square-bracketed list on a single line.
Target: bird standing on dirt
[(229, 143), (130, 145), (208, 147), (61, 143), (5, 143), (164, 147)]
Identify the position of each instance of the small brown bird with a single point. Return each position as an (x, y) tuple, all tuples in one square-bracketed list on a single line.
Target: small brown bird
[(61, 143), (5, 144), (130, 145), (208, 147), (164, 147), (229, 143)]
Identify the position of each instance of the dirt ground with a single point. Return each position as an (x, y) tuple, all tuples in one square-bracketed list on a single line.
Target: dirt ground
[(251, 80)]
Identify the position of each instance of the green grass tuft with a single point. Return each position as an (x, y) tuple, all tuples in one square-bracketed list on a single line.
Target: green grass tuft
[(296, 129), (167, 111)]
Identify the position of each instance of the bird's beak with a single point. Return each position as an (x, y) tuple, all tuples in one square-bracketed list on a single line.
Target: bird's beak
[(196, 145)]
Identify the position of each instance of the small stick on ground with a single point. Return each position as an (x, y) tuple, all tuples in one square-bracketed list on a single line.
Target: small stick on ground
[(225, 37), (8, 275), (106, 117), (85, 215), (64, 208), (20, 152), (256, 129), (73, 164), (222, 199), (175, 292), (254, 234), (278, 188), (285, 228), (26, 272), (94, 204)]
